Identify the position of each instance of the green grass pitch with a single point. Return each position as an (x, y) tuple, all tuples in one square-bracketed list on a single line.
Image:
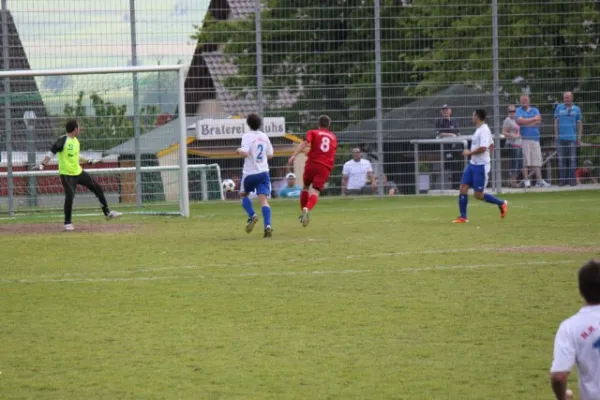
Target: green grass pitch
[(376, 299)]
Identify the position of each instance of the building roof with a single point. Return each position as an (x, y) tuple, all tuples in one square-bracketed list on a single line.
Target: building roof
[(210, 68), (416, 120), (241, 9), (158, 139), (25, 96), (220, 68)]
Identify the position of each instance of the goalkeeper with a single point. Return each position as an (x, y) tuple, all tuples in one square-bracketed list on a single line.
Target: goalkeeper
[(71, 174)]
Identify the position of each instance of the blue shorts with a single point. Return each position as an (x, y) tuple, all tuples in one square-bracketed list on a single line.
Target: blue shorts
[(260, 182), (475, 176), (516, 159)]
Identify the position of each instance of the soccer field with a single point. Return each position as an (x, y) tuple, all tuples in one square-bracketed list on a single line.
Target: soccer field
[(375, 299)]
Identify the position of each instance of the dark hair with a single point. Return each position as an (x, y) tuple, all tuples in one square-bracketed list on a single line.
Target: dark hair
[(589, 282), (324, 121), (71, 125), (481, 114), (253, 122)]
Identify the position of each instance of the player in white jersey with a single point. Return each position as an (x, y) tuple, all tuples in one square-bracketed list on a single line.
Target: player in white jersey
[(257, 150), (577, 341), (476, 173)]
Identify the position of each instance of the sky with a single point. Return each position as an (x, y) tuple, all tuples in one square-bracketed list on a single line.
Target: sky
[(97, 33), (94, 33)]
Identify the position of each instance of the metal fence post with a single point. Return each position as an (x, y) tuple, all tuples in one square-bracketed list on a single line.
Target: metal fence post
[(7, 111), (29, 118), (378, 101), (496, 98), (259, 61), (184, 201), (136, 108)]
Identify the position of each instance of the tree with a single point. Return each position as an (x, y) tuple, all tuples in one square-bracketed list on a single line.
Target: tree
[(323, 52), (109, 125), (545, 49), (322, 55)]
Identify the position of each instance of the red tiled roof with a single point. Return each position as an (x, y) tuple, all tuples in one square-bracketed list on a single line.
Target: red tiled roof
[(210, 68)]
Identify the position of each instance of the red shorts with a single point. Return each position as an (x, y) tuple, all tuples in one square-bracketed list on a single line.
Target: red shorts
[(315, 174)]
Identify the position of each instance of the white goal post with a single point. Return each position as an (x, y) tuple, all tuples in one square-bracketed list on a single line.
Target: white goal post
[(179, 166)]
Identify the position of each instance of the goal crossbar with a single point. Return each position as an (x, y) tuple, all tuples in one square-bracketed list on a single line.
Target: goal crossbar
[(17, 73)]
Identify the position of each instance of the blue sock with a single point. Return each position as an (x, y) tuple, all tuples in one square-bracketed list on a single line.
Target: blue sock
[(488, 198), (266, 212), (247, 204), (463, 201)]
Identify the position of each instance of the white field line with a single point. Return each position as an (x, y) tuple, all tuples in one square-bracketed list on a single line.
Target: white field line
[(287, 273), (291, 261), (548, 207), (211, 215), (531, 203), (52, 215)]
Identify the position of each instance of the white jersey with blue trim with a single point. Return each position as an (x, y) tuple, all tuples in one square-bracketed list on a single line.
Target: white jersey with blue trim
[(259, 148), (481, 138)]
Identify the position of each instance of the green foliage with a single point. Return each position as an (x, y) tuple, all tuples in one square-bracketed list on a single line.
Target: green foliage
[(325, 54), (109, 125), (550, 46), (322, 55)]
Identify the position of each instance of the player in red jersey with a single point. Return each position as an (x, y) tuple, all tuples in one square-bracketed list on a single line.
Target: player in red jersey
[(320, 161)]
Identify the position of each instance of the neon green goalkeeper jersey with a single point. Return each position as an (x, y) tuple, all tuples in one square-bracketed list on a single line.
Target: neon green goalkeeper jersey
[(67, 152)]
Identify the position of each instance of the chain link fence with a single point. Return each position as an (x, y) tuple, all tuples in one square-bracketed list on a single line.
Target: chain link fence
[(395, 76)]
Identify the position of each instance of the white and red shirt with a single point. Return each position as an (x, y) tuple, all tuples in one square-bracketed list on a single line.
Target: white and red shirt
[(577, 342)]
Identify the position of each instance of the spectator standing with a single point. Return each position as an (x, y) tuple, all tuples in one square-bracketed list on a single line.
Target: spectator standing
[(568, 129), (447, 127), (291, 190), (586, 173), (356, 173), (529, 120), (510, 130)]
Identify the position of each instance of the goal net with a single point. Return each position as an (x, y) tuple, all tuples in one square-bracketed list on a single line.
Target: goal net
[(133, 123)]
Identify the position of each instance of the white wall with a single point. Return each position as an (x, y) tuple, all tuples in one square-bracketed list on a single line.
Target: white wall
[(210, 108), (170, 178)]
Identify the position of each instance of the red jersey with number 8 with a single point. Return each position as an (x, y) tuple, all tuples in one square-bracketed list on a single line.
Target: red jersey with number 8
[(323, 145)]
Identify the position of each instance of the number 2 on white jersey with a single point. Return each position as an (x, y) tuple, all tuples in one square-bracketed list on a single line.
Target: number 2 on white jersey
[(325, 144), (260, 149)]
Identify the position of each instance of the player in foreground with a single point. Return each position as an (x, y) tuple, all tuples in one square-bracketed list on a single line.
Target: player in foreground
[(577, 341), (476, 173), (71, 174), (320, 162), (256, 148)]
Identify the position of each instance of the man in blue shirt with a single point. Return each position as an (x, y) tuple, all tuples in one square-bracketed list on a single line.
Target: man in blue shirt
[(529, 120), (448, 127), (567, 134), (291, 190)]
